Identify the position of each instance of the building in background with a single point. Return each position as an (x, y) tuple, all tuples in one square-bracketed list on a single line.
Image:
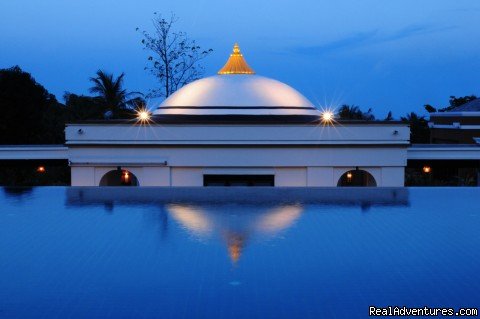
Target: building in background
[(241, 129), (460, 125), (453, 157), (237, 129)]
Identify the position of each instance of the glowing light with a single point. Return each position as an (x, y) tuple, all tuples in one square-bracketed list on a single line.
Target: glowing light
[(427, 169), (41, 169), (327, 117), (143, 116), (349, 175), (126, 179)]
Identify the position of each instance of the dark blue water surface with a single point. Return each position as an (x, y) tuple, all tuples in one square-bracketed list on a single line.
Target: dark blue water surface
[(235, 253)]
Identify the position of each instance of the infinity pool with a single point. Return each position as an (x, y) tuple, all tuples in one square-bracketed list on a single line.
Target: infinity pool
[(236, 252)]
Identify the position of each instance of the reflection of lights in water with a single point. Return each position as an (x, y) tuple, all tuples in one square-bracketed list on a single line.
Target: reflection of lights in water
[(279, 218), (193, 218), (235, 224), (235, 244)]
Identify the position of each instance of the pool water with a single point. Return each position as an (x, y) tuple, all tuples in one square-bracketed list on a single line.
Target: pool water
[(236, 252)]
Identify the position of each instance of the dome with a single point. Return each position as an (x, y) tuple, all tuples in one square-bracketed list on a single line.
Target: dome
[(236, 90)]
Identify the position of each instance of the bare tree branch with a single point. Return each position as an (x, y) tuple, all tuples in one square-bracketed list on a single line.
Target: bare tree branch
[(175, 58)]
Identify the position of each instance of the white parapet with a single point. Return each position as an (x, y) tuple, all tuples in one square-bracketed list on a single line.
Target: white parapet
[(33, 152), (202, 134), (297, 155)]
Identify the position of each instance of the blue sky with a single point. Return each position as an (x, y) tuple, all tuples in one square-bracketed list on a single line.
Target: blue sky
[(388, 55)]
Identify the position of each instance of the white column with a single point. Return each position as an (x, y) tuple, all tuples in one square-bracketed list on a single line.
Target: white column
[(187, 176), (82, 176), (291, 177), (393, 176), (320, 176), (155, 176)]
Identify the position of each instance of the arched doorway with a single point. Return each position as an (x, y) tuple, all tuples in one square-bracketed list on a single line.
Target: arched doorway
[(357, 178), (119, 177)]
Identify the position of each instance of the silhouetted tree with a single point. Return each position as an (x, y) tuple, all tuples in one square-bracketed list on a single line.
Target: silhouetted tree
[(353, 112), (368, 116), (29, 113), (81, 107), (453, 103), (429, 108), (389, 116), (114, 97), (419, 131), (175, 57), (412, 117), (350, 112), (457, 101)]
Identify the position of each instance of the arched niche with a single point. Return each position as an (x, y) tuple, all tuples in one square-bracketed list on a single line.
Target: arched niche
[(357, 178), (119, 177)]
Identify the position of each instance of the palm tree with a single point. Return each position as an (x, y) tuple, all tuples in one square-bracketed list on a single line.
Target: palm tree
[(389, 116), (350, 112), (353, 112), (413, 118), (419, 131), (110, 91)]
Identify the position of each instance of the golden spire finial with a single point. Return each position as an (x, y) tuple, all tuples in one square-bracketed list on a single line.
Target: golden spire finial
[(236, 49), (236, 64)]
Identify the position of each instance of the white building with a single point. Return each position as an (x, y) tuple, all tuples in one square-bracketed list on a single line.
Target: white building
[(237, 128)]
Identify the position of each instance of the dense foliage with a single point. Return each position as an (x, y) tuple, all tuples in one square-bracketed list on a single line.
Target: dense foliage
[(453, 103), (31, 115), (353, 112), (419, 131)]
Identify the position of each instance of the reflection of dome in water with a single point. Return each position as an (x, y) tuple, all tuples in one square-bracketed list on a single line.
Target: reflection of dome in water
[(237, 90), (194, 219), (278, 218), (235, 224)]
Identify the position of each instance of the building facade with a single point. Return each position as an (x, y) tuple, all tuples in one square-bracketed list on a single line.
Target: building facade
[(237, 129), (460, 125), (240, 129), (239, 153)]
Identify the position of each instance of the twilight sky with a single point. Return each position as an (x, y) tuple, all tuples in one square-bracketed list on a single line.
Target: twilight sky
[(388, 55)]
